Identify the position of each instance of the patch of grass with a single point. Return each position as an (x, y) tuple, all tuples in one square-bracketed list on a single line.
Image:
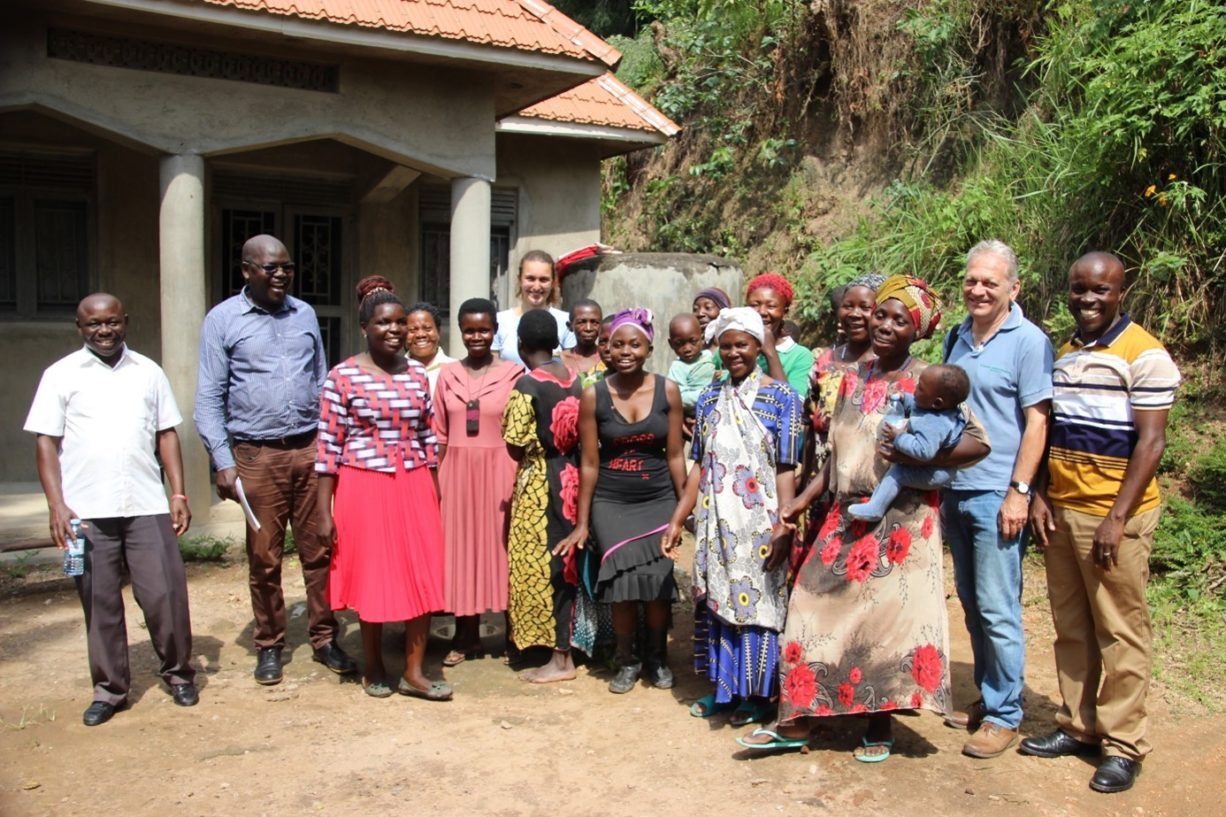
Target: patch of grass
[(19, 566), (205, 548), (29, 717)]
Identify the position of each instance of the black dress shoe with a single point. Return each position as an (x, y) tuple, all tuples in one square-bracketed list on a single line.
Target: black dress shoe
[(268, 666), (185, 694), (1115, 774), (99, 712), (334, 658), (1057, 744)]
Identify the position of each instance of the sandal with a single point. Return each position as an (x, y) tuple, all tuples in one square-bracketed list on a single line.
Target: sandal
[(706, 706), (753, 710), (438, 691), (377, 687), (865, 744), (777, 741), (457, 657)]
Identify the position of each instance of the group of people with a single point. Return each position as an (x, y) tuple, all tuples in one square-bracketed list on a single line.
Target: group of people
[(544, 474)]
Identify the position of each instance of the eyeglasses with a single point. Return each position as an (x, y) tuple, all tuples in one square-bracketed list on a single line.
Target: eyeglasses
[(269, 269)]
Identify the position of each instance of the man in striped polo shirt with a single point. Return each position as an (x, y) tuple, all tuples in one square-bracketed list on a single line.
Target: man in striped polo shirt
[(1095, 511)]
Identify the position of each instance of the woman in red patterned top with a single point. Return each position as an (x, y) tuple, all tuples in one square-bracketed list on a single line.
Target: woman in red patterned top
[(377, 458)]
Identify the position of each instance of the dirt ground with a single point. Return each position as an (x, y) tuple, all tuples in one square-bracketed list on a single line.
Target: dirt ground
[(313, 745)]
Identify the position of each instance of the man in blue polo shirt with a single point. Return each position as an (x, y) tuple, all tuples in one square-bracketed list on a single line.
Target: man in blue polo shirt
[(1009, 362)]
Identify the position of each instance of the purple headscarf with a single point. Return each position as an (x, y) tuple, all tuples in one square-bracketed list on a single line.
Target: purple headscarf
[(715, 294), (639, 318)]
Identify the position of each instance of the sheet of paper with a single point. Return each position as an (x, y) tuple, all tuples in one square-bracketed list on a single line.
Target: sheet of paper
[(242, 500)]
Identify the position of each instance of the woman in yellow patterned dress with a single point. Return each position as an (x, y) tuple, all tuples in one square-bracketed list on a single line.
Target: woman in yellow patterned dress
[(541, 429)]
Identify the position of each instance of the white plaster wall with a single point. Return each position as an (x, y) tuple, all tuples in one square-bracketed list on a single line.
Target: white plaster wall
[(559, 193), (439, 118)]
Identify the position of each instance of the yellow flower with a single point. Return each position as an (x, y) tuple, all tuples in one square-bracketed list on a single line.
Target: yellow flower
[(1149, 191), (1162, 199), (1171, 177)]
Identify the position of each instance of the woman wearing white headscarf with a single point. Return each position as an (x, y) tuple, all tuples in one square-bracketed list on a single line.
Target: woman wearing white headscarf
[(747, 438)]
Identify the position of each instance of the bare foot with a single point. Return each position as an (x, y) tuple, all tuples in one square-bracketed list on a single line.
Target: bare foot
[(559, 668)]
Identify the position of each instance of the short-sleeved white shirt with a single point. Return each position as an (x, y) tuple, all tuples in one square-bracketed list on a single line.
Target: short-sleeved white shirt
[(108, 418)]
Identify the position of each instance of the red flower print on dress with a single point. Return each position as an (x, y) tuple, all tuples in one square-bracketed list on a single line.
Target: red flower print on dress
[(570, 493), (907, 385), (926, 667), (874, 396), (917, 700), (564, 424), (887, 706), (859, 527), (858, 708), (850, 380), (793, 653), (933, 498), (855, 675), (800, 687), (927, 528), (831, 523), (898, 545), (824, 709), (847, 694), (830, 551), (863, 558)]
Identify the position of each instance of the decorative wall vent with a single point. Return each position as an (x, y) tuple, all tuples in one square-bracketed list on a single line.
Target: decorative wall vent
[(188, 61)]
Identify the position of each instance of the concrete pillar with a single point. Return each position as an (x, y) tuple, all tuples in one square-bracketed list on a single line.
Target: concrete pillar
[(470, 249), (181, 228)]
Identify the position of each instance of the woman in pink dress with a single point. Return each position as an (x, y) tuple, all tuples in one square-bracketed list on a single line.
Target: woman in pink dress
[(378, 499), (476, 477)]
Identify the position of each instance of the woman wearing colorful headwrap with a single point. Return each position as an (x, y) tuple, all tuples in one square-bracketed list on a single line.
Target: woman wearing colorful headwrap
[(707, 304), (770, 295), (631, 473), (866, 628), (747, 435)]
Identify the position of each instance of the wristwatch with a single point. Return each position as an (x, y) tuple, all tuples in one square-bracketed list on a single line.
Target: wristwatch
[(1022, 488)]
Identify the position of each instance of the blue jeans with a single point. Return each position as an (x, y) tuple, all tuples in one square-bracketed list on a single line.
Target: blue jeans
[(988, 575)]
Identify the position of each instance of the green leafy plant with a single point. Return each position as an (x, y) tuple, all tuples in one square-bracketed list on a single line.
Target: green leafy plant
[(204, 548)]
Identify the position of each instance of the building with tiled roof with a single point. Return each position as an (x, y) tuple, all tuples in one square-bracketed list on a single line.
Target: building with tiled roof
[(430, 141)]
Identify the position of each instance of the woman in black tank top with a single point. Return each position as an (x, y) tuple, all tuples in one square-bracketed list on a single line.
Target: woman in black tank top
[(632, 471)]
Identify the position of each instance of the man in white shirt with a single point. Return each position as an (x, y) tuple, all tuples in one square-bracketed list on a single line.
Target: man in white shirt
[(104, 416)]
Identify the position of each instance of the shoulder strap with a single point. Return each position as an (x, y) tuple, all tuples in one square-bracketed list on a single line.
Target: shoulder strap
[(950, 340)]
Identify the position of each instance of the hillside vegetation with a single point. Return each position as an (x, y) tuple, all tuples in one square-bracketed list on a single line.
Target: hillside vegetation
[(829, 138)]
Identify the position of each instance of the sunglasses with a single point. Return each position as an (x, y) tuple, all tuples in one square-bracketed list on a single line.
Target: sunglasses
[(269, 269)]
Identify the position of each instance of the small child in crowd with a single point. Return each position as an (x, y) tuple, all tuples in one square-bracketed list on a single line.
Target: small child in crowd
[(693, 369), (934, 422), (602, 342), (585, 358)]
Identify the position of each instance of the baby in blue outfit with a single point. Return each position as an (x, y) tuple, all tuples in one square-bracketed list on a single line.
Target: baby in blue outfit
[(934, 422)]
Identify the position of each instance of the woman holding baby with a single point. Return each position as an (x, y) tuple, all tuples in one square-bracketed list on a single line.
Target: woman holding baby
[(866, 630)]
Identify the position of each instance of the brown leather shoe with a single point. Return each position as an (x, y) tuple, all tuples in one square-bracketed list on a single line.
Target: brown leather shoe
[(989, 740), (969, 719)]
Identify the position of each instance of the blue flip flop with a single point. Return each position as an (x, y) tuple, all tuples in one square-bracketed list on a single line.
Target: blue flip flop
[(868, 744), (754, 711), (706, 706), (777, 741)]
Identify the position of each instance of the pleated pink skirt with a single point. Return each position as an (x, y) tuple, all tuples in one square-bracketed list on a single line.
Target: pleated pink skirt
[(388, 561), (476, 483)]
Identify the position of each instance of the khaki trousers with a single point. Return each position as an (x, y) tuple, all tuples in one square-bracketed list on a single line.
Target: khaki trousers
[(1103, 636)]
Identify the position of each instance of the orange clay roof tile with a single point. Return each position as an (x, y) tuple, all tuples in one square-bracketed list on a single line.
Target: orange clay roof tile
[(524, 25), (604, 101)]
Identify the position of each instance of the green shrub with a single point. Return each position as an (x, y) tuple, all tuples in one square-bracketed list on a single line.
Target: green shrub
[(204, 549), (1208, 478), (1189, 552)]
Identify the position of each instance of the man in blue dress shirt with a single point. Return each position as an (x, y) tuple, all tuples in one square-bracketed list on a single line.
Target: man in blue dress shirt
[(262, 368)]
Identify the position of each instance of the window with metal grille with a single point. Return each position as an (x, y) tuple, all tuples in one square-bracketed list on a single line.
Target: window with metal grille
[(46, 232)]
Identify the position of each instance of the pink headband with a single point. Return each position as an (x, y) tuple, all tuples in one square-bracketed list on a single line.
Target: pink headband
[(639, 318)]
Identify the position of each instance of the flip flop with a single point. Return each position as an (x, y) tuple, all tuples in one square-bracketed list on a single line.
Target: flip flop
[(438, 691), (706, 706), (777, 741), (455, 658), (753, 711), (869, 744), (377, 688)]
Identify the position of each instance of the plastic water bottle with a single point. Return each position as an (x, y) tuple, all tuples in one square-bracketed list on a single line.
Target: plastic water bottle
[(896, 415), (74, 556)]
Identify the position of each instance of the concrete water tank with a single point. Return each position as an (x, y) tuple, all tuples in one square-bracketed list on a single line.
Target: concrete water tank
[(665, 283)]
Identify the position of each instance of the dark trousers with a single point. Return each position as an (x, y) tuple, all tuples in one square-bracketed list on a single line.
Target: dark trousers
[(279, 482), (149, 547)]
